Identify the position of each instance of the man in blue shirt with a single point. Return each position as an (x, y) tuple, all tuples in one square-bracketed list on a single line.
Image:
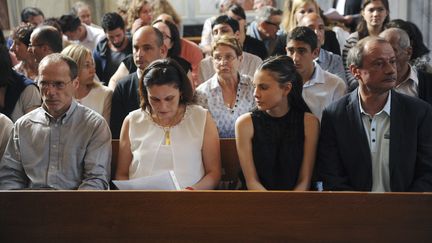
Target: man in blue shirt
[(62, 144)]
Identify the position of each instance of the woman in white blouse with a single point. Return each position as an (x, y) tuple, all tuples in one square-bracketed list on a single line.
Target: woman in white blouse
[(168, 132), (90, 93)]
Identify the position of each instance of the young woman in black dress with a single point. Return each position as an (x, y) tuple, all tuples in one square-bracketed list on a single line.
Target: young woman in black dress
[(277, 141)]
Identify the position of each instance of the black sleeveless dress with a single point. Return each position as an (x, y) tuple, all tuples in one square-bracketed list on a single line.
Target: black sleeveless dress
[(277, 147)]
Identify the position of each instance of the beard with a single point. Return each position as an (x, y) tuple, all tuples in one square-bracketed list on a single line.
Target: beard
[(118, 45)]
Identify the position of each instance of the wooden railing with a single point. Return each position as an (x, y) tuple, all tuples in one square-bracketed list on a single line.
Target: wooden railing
[(209, 216)]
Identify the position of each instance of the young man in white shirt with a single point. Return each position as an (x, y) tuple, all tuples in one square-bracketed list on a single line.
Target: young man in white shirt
[(320, 88)]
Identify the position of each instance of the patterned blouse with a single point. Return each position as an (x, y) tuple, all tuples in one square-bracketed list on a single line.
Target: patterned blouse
[(209, 95)]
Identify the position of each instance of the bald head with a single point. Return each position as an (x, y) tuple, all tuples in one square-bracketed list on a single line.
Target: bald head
[(148, 46), (315, 23), (310, 17), (45, 40)]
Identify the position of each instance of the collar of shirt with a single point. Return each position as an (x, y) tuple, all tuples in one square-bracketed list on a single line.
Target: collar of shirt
[(321, 57), (45, 118), (90, 34), (139, 73), (317, 76), (254, 30), (386, 108), (411, 77)]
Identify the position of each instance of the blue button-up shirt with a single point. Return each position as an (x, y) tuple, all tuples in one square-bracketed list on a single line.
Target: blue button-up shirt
[(71, 152)]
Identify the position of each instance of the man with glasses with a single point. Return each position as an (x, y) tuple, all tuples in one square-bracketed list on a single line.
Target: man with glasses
[(61, 145), (224, 25), (375, 139), (265, 26), (410, 81), (45, 40)]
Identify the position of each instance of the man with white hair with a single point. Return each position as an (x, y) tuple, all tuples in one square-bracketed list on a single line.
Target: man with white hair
[(266, 26), (83, 11), (409, 81)]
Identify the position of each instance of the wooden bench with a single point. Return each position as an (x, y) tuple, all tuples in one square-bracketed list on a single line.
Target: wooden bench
[(222, 216), (229, 159)]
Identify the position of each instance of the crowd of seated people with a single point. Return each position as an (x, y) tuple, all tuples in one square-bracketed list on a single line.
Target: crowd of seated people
[(303, 116)]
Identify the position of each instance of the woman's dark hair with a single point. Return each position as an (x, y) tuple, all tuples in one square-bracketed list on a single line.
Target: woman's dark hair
[(2, 38), (28, 12), (165, 72), (6, 72), (237, 10), (415, 35), (175, 38), (54, 22), (69, 23), (22, 33), (284, 71), (362, 26)]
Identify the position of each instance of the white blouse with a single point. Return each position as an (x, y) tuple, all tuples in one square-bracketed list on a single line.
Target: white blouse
[(99, 99), (149, 154)]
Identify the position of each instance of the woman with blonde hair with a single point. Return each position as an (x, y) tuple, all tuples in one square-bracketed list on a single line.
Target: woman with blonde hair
[(164, 7), (139, 14), (294, 10), (89, 92)]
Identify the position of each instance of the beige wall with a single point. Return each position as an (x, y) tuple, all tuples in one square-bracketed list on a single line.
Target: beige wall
[(56, 8)]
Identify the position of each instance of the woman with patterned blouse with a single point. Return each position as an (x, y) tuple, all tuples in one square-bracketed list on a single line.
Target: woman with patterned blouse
[(227, 94)]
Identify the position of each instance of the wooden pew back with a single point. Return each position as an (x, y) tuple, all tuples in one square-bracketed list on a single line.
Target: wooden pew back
[(201, 216)]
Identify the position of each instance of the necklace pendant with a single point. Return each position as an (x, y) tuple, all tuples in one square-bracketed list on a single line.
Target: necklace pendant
[(167, 138)]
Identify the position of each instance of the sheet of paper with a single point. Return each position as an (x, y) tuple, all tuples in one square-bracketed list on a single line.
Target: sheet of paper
[(333, 14), (163, 181)]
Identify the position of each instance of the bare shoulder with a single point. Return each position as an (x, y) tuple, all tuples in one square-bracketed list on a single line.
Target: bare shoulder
[(244, 119), (310, 120)]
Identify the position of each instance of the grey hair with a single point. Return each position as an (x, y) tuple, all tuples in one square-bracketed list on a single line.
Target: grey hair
[(58, 57), (264, 13), (404, 40), (77, 6), (356, 53)]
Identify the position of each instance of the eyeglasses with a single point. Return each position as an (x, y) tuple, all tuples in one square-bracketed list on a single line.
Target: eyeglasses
[(55, 84), (35, 45), (165, 36), (228, 58), (270, 23)]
